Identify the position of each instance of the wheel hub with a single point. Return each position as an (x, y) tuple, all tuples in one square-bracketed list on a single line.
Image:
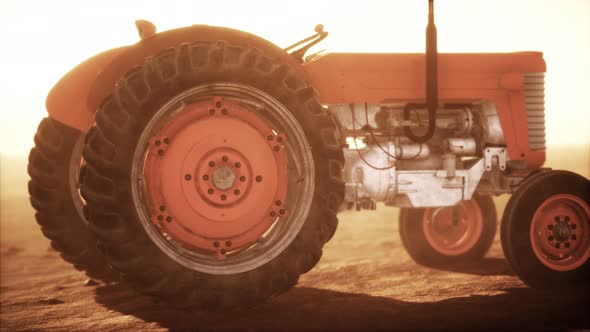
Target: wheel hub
[(216, 176), (560, 234)]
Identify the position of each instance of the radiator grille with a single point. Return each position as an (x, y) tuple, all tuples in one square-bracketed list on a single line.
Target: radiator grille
[(534, 92)]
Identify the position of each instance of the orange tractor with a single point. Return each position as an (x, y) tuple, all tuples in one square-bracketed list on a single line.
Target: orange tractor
[(207, 166)]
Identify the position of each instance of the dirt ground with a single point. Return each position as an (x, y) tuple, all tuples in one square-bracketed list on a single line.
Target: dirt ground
[(365, 281)]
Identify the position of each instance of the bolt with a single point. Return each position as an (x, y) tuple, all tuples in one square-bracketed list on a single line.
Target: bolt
[(557, 245), (166, 140), (223, 197), (550, 227), (211, 111), (188, 177), (161, 152), (269, 137), (574, 226), (160, 217), (211, 163), (162, 208), (224, 111), (218, 104), (278, 202), (210, 191), (242, 178), (228, 243), (276, 148), (258, 178), (216, 244), (273, 214), (205, 177), (557, 219), (158, 143), (238, 164), (550, 238), (225, 159), (567, 244), (169, 219), (574, 237), (282, 211), (567, 218), (237, 192)]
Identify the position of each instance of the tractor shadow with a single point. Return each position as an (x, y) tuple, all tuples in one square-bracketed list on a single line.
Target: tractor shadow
[(304, 308), (484, 267)]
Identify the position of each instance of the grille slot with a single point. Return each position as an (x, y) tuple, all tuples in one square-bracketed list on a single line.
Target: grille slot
[(534, 93)]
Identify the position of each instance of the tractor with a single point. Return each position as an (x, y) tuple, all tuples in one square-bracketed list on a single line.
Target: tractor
[(206, 166)]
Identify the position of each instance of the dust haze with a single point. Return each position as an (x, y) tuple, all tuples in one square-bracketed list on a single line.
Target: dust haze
[(364, 281)]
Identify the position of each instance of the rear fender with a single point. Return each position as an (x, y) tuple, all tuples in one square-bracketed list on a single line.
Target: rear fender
[(75, 98)]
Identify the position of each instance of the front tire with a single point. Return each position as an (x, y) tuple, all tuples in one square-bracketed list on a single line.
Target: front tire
[(220, 90), (438, 237), (545, 230)]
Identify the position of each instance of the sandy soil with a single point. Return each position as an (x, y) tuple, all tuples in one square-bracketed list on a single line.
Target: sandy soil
[(365, 281)]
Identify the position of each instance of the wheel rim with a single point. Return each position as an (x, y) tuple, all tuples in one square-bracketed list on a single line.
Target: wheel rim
[(560, 232), (453, 230), (225, 178), (76, 162)]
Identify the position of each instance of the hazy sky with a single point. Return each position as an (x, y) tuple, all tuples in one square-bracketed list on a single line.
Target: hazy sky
[(42, 40)]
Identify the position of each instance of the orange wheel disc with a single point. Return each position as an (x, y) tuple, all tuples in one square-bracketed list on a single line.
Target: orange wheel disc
[(453, 231), (560, 232), (217, 186)]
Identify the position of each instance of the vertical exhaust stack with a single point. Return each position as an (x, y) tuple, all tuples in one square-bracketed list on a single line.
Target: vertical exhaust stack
[(431, 82), (431, 62)]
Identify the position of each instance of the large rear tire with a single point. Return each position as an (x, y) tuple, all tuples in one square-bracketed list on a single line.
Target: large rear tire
[(438, 237), (142, 124), (54, 165), (545, 230)]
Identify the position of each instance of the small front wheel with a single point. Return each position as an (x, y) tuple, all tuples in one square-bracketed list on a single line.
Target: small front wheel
[(546, 230), (449, 235)]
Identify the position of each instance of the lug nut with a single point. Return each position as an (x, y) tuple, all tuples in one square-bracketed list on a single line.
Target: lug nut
[(279, 139), (225, 159), (166, 140), (238, 164), (574, 237), (218, 104), (223, 251), (269, 137), (282, 211), (273, 214), (160, 217), (211, 163), (158, 143), (558, 245), (574, 226), (237, 192), (162, 208), (216, 244), (567, 244), (211, 111), (228, 243), (276, 148), (205, 177), (242, 178), (258, 178), (567, 218), (224, 111), (161, 152), (550, 227), (278, 202), (188, 177), (223, 197), (550, 238), (557, 219), (210, 191), (169, 219)]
